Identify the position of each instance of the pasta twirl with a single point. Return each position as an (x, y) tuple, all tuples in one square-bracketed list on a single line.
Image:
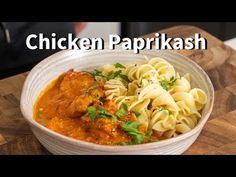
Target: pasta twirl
[(181, 85), (165, 100), (114, 88), (164, 69)]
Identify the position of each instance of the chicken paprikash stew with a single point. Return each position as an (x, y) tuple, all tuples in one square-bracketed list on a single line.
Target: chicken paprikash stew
[(121, 105)]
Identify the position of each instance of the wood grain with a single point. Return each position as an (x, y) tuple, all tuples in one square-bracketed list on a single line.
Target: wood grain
[(23, 145), (2, 140), (217, 137)]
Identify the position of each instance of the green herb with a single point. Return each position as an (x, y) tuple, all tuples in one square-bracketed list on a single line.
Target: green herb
[(169, 112), (124, 77), (121, 112), (149, 133), (172, 78), (123, 105), (113, 75), (118, 65), (91, 112), (166, 85), (124, 143), (138, 137), (114, 119), (118, 73), (131, 128), (97, 73), (91, 88), (137, 114), (104, 113), (172, 81)]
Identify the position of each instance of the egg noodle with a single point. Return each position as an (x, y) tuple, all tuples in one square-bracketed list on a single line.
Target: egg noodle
[(164, 100)]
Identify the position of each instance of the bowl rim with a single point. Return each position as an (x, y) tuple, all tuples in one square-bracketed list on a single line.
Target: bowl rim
[(112, 148)]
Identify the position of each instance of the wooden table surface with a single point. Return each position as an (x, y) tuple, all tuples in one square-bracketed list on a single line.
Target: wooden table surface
[(217, 137)]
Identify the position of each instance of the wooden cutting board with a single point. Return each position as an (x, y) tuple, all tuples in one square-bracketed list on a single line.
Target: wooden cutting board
[(217, 137)]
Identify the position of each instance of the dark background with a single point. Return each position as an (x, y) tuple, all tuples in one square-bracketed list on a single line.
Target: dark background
[(222, 30), (15, 57)]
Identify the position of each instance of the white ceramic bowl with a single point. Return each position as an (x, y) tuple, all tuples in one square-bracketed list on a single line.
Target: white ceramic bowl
[(47, 70)]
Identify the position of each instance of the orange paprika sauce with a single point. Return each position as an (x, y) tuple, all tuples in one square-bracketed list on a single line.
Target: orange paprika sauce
[(62, 107)]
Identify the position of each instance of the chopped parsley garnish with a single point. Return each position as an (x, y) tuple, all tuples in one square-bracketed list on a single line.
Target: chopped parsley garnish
[(132, 129), (114, 119), (118, 73), (104, 113), (97, 73), (122, 111), (164, 84), (123, 105), (131, 126), (172, 81), (168, 84), (114, 75), (137, 137), (137, 114), (118, 65), (92, 112), (124, 77)]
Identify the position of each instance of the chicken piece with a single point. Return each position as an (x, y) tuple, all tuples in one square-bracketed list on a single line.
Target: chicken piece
[(75, 83), (79, 105)]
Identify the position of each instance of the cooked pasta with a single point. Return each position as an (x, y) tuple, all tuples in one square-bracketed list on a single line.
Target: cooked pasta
[(163, 69), (114, 88), (165, 100)]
